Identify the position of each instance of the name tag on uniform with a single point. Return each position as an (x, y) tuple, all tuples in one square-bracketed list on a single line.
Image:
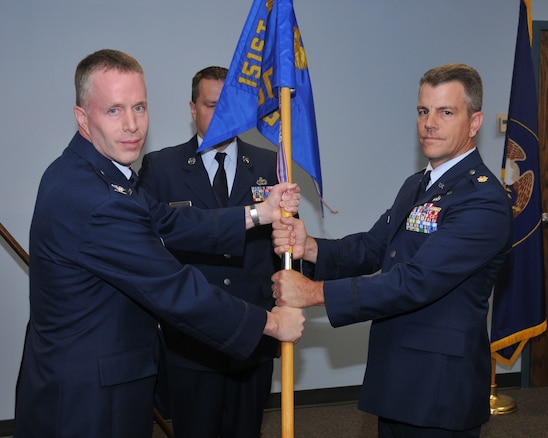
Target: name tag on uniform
[(177, 204), (423, 219)]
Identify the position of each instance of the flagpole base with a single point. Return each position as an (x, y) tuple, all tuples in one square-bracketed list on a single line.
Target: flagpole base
[(501, 404)]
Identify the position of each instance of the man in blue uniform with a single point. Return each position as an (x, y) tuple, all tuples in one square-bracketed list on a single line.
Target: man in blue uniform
[(101, 277), (211, 394), (439, 249)]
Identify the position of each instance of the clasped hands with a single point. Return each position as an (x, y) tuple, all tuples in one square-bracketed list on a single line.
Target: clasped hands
[(289, 287), (285, 323)]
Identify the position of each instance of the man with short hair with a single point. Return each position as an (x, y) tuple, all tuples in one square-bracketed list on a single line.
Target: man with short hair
[(101, 277), (439, 247)]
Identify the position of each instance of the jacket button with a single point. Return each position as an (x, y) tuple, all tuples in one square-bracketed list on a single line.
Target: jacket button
[(393, 254), (227, 282), (227, 256)]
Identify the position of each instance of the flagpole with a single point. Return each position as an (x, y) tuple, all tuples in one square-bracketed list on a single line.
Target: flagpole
[(288, 408), (500, 404)]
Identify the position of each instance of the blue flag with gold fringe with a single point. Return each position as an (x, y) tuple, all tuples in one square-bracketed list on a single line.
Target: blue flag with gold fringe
[(518, 299), (268, 56)]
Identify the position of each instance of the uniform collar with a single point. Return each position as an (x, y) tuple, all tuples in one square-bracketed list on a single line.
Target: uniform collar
[(438, 172)]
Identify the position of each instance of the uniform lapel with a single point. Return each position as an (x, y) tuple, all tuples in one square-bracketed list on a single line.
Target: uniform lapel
[(406, 202), (196, 177), (244, 178)]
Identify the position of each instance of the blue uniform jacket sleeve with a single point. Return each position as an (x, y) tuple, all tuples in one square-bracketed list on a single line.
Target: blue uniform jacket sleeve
[(119, 247), (464, 253)]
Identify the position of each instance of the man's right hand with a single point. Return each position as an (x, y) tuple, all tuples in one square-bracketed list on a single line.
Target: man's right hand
[(285, 324), (290, 232)]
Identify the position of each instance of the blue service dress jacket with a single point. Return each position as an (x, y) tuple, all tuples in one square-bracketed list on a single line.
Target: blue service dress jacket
[(429, 358), (100, 278), (177, 175)]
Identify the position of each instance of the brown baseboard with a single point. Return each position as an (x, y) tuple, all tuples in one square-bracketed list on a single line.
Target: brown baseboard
[(351, 393), (318, 396), (6, 427), (508, 380)]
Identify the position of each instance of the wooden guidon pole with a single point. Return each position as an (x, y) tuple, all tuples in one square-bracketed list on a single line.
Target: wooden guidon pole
[(288, 408)]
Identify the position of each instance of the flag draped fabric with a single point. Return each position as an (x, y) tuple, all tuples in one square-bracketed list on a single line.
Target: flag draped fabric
[(269, 55), (518, 299)]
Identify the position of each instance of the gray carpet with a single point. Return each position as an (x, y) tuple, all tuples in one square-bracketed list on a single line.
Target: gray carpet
[(346, 421)]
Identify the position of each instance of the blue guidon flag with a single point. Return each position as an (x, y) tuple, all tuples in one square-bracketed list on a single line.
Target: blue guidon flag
[(269, 56)]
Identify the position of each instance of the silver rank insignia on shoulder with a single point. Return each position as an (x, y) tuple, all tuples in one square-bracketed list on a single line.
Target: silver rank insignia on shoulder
[(122, 190)]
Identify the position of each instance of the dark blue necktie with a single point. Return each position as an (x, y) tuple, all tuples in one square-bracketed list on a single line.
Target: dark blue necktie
[(133, 179), (220, 185), (422, 185), (425, 180)]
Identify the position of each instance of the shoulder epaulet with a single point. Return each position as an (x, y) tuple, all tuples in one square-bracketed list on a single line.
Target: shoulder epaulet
[(478, 178)]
